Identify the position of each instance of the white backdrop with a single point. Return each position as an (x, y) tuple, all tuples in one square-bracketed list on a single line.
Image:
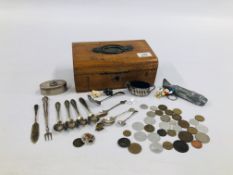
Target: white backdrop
[(193, 40)]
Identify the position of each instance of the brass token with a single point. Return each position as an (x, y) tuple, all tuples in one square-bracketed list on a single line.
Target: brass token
[(149, 128), (171, 133), (177, 111), (159, 112), (167, 145), (127, 133), (183, 123), (169, 112), (196, 144), (185, 136), (135, 148), (176, 116), (192, 130), (199, 118), (162, 107)]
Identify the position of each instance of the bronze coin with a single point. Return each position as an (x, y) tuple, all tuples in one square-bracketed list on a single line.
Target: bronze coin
[(177, 111), (78, 142), (167, 145), (169, 112), (176, 116), (171, 133), (183, 123), (180, 146), (192, 130), (123, 142), (159, 112), (185, 136), (162, 107), (135, 148), (161, 132), (127, 133), (196, 144), (199, 118), (149, 128)]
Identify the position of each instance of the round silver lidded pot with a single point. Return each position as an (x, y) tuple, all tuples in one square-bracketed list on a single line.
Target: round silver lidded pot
[(53, 87)]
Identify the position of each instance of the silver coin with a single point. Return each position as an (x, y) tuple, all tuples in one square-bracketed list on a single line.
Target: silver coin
[(177, 128), (138, 126), (143, 106), (165, 118), (140, 136), (202, 137), (156, 147), (164, 125), (202, 128), (153, 108), (153, 137), (194, 122), (173, 122), (150, 113), (149, 120)]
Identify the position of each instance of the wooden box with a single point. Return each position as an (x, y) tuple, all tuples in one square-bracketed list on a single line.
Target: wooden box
[(96, 67)]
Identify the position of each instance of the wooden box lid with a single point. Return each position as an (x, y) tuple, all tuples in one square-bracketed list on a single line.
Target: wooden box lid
[(86, 61)]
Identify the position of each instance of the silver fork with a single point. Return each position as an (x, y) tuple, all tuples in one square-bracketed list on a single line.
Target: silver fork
[(48, 134)]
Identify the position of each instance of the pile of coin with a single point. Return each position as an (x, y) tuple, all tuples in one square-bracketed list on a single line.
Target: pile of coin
[(172, 132)]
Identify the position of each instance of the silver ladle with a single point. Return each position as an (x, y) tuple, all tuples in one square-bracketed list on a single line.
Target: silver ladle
[(100, 101), (59, 125), (80, 119), (70, 123), (123, 122)]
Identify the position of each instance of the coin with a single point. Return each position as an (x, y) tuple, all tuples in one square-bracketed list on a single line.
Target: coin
[(171, 133), (180, 146), (177, 128), (167, 145), (177, 111), (202, 137), (192, 130), (78, 142), (153, 137), (150, 113), (143, 106), (135, 148), (176, 117), (156, 147), (169, 112), (202, 128), (153, 108), (193, 122), (138, 126), (164, 125), (183, 123), (165, 118), (123, 142), (162, 132), (199, 118), (159, 112), (149, 128), (140, 136), (149, 120), (162, 107), (185, 136), (196, 144), (127, 133)]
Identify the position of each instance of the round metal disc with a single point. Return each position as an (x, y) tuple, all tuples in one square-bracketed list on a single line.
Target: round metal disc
[(153, 137), (162, 107), (143, 106), (53, 87), (140, 136), (194, 122), (180, 146), (199, 118), (149, 128), (159, 112), (183, 124), (123, 142), (149, 120), (192, 130), (156, 147), (78, 142), (165, 118), (153, 108), (127, 133), (185, 136), (167, 145), (202, 137), (162, 132), (171, 133), (196, 144), (177, 128), (169, 112), (202, 128), (150, 113), (135, 148), (177, 111), (164, 125), (176, 117), (138, 126)]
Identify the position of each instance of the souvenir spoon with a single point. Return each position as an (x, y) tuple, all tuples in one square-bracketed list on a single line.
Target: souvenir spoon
[(80, 119), (58, 126), (70, 123), (123, 122)]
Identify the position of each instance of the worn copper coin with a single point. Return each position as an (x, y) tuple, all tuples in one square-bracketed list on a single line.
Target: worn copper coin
[(124, 142), (196, 144), (78, 142), (202, 137), (192, 130), (183, 123), (127, 133), (134, 148), (176, 116), (199, 118), (149, 128), (169, 112), (180, 146), (159, 112), (167, 145), (162, 107), (171, 133), (177, 111), (162, 132), (185, 136)]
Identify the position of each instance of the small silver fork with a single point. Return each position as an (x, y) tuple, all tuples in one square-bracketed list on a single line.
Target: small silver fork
[(48, 134)]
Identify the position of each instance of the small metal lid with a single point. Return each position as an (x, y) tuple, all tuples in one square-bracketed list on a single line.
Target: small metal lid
[(53, 87)]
